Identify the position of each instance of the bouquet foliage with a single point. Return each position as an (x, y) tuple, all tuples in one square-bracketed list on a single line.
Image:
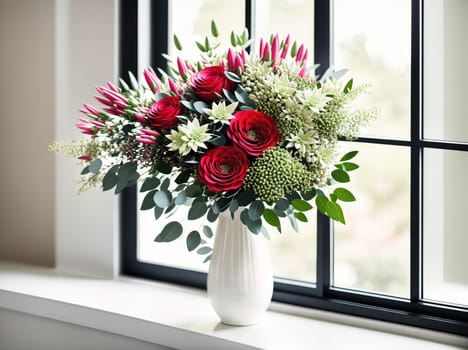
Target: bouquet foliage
[(256, 133)]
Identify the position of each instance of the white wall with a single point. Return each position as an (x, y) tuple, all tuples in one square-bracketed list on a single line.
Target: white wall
[(26, 128)]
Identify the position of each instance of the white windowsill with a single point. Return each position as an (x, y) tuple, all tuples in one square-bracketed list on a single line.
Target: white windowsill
[(182, 318)]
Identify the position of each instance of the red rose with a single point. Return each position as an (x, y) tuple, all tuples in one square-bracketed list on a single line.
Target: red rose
[(223, 168), (209, 82), (163, 114), (253, 131)]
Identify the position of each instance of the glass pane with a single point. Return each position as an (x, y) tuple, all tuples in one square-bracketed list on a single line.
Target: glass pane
[(445, 231), (293, 254), (445, 55), (371, 252), (190, 20), (299, 22), (372, 40)]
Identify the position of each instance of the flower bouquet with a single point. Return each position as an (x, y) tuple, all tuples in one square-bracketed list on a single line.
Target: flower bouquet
[(253, 133)]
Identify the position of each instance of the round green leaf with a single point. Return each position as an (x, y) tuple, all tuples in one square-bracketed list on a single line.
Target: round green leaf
[(282, 204), (212, 216), (271, 217), (344, 195), (340, 175), (181, 198), (95, 166), (193, 240), (204, 250), (197, 210), (170, 232), (207, 231), (301, 205)]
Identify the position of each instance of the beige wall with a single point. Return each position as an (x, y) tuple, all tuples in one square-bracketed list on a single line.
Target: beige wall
[(26, 129)]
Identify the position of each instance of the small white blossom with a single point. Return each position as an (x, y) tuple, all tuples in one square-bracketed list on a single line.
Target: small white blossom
[(220, 112), (302, 142), (189, 137), (314, 99)]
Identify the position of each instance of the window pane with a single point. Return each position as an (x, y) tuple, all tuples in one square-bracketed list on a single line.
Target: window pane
[(371, 251), (299, 22), (190, 20), (445, 230), (372, 39), (445, 53)]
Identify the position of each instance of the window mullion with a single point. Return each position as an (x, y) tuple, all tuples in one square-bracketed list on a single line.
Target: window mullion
[(323, 56), (159, 22), (416, 155)]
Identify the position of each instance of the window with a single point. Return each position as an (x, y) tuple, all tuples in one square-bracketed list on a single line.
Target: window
[(402, 258)]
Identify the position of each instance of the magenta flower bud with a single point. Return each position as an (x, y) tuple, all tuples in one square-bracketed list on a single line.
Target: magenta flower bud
[(151, 79), (274, 48), (91, 109), (300, 54), (243, 57), (266, 52), (303, 72), (173, 86), (103, 101), (230, 60), (141, 118), (181, 67), (261, 48), (112, 87), (85, 158), (239, 64)]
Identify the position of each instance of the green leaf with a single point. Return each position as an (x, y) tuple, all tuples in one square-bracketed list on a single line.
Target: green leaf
[(340, 175), (282, 204), (308, 195), (233, 206), (194, 190), (271, 217), (162, 198), (207, 231), (256, 210), (348, 166), (127, 170), (197, 210), (165, 184), (170, 232), (214, 29), (183, 177), (208, 258), (348, 156), (181, 198), (148, 201), (200, 106), (133, 81), (301, 205), (85, 170), (201, 47), (301, 217), (150, 183), (335, 212), (95, 166), (177, 43), (193, 240), (321, 202), (204, 250), (221, 205), (212, 216), (234, 78), (158, 212), (164, 168), (160, 95), (245, 197), (292, 196), (233, 39), (348, 86), (254, 226), (344, 195), (110, 179), (333, 197), (294, 49)]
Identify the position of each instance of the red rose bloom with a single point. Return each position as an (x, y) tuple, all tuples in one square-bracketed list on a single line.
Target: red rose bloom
[(223, 168), (253, 131), (209, 82), (163, 114)]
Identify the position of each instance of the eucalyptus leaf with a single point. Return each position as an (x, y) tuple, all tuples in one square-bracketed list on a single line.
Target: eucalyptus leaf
[(207, 231), (181, 198), (183, 177), (208, 258), (95, 166), (150, 183), (158, 212), (170, 232), (204, 250), (148, 201), (256, 210), (165, 184), (110, 179), (245, 197), (200, 106), (164, 168), (211, 216), (197, 210), (193, 240), (254, 226), (194, 190), (233, 77), (162, 198), (85, 170)]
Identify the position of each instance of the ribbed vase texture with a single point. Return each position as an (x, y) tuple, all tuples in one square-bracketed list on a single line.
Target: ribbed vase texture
[(240, 279)]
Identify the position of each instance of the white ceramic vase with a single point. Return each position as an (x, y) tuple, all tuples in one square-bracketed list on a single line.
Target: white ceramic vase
[(240, 279)]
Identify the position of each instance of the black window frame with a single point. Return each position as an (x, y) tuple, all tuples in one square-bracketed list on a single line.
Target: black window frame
[(413, 311)]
